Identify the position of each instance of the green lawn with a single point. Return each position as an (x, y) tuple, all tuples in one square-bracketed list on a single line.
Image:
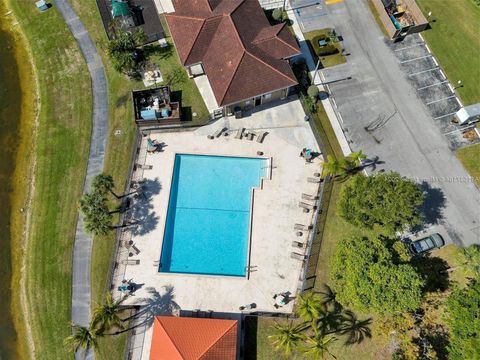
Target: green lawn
[(327, 60), (61, 147), (119, 148), (454, 38), (470, 158)]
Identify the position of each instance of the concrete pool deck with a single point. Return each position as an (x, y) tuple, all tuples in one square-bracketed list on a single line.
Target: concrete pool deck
[(275, 212)]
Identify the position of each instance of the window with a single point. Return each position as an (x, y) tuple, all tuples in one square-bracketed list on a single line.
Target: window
[(267, 96)]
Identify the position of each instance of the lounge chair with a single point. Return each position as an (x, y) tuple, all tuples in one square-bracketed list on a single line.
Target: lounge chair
[(250, 136), (304, 205), (131, 262), (298, 256), (298, 244), (309, 197), (240, 133), (314, 180), (135, 249), (261, 136), (302, 227), (219, 132), (144, 167)]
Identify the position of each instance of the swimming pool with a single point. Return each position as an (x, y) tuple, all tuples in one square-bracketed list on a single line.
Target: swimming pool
[(208, 218)]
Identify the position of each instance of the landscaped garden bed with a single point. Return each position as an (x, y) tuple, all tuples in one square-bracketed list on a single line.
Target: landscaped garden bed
[(326, 46)]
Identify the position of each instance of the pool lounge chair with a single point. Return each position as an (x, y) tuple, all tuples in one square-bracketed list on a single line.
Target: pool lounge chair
[(250, 136), (298, 256), (314, 180), (302, 227), (240, 133), (309, 197), (261, 136), (298, 244), (131, 262), (144, 167), (304, 205), (135, 249), (219, 132)]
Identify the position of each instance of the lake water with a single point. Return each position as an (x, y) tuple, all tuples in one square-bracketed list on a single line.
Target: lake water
[(10, 95)]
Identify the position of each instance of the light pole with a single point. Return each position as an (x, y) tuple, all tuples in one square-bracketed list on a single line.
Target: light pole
[(459, 85), (284, 5)]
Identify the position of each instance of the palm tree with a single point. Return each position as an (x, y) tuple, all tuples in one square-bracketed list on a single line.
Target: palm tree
[(309, 306), (334, 167), (98, 223), (92, 202), (103, 183), (105, 316), (318, 346), (356, 330), (357, 158), (288, 336), (82, 338)]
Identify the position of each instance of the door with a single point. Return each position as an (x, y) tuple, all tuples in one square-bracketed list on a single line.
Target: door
[(258, 101)]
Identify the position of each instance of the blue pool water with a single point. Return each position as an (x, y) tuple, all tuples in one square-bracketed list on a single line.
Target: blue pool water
[(207, 226)]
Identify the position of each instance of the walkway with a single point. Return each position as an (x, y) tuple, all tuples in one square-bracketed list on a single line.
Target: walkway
[(81, 292)]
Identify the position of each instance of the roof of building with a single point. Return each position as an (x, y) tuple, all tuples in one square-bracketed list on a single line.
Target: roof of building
[(183, 338), (120, 8), (242, 55)]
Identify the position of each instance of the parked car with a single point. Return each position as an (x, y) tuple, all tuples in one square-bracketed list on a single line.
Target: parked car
[(427, 243)]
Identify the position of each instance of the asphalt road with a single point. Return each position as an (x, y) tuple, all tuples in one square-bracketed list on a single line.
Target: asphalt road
[(384, 116), (81, 291)]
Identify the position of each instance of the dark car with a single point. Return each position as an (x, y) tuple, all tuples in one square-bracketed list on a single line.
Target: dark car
[(427, 243)]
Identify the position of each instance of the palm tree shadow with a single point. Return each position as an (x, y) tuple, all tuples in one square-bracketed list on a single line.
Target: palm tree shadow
[(354, 329), (142, 215), (155, 304)]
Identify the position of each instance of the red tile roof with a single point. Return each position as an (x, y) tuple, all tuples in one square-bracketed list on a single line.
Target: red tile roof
[(242, 55), (182, 338)]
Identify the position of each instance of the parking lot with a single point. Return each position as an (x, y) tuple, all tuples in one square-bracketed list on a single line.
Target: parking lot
[(431, 85)]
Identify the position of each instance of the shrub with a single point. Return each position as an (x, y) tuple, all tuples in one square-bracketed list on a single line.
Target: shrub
[(327, 50), (277, 14), (312, 91)]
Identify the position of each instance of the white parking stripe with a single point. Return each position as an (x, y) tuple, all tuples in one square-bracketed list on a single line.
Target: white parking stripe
[(425, 87), (424, 71), (435, 101), (418, 58), (439, 117), (408, 47)]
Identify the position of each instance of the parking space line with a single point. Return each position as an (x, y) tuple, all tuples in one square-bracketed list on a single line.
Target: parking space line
[(425, 87), (443, 74), (418, 58), (408, 47), (424, 71), (439, 117), (435, 101), (459, 102)]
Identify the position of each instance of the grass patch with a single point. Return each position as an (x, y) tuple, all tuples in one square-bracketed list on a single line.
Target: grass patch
[(470, 158), (376, 16), (455, 40), (119, 148), (61, 149), (333, 43)]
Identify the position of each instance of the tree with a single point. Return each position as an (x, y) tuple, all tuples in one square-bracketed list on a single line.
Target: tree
[(277, 14), (308, 306), (318, 346), (103, 183), (334, 167), (82, 338), (123, 50), (368, 275), (463, 320), (357, 157), (387, 200), (313, 91), (105, 316), (287, 336), (98, 222)]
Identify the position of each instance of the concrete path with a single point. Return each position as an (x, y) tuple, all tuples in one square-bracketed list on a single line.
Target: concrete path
[(81, 292), (385, 117)]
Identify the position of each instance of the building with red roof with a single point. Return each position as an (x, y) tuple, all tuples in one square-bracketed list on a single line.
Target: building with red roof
[(232, 42), (184, 338)]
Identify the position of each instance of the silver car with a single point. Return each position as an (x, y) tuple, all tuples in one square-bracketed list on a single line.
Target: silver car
[(427, 243)]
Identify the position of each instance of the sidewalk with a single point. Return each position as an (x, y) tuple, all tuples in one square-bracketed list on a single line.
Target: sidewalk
[(333, 116)]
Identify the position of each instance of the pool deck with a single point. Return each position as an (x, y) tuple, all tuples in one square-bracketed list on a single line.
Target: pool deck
[(275, 212)]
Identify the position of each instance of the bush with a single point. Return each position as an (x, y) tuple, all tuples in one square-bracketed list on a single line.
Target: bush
[(277, 14), (312, 91), (327, 50)]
